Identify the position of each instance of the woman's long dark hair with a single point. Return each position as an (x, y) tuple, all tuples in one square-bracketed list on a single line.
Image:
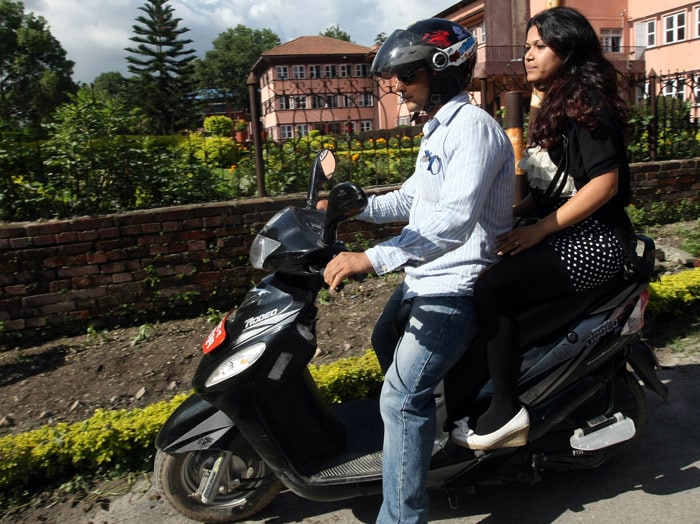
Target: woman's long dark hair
[(585, 71)]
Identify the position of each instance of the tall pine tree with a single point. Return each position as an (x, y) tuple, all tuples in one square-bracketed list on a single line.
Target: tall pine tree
[(162, 65)]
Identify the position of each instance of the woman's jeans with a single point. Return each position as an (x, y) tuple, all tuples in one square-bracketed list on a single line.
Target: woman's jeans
[(438, 331)]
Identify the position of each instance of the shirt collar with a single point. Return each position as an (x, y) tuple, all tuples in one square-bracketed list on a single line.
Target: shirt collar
[(446, 113)]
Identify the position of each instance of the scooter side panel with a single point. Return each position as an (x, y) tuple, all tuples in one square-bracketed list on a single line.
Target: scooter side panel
[(196, 425)]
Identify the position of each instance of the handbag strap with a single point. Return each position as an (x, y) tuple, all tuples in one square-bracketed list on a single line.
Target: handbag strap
[(556, 185)]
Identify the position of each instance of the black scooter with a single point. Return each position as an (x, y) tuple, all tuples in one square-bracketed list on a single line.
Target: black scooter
[(257, 422)]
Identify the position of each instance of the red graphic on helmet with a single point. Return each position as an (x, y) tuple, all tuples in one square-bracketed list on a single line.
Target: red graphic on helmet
[(439, 38)]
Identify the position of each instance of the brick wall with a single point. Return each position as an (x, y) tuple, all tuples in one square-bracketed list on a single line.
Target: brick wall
[(59, 277)]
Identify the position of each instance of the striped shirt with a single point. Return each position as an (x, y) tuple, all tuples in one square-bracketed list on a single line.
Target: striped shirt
[(458, 199)]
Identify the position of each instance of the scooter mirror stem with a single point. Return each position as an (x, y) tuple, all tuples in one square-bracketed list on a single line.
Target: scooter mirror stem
[(345, 200)]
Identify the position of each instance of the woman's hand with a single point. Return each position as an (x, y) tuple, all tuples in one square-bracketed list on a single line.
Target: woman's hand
[(520, 239)]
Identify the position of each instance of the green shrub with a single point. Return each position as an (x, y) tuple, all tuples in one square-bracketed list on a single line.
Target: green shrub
[(218, 125), (349, 378), (672, 294), (111, 439)]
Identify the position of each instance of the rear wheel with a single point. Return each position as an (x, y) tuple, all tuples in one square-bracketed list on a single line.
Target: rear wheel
[(247, 485)]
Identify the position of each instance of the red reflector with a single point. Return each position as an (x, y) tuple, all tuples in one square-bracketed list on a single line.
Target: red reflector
[(216, 337)]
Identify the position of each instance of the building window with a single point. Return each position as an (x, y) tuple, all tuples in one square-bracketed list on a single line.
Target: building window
[(651, 33), (315, 71), (360, 70), (343, 71), (366, 125), (332, 101), (324, 101), (330, 71), (299, 102), (674, 28), (611, 39), (697, 22), (365, 100), (283, 103), (282, 72), (675, 87), (696, 89), (299, 72), (286, 132), (302, 130), (335, 128)]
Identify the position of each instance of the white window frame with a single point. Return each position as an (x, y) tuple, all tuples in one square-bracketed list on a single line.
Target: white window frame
[(283, 103), (343, 71), (286, 131), (365, 100), (299, 102), (302, 130), (330, 71), (282, 72), (314, 71), (696, 16), (674, 28), (332, 101), (671, 88), (299, 72), (611, 40), (651, 33), (366, 125)]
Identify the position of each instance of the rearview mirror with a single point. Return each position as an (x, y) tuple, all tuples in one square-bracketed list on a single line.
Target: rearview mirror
[(323, 168)]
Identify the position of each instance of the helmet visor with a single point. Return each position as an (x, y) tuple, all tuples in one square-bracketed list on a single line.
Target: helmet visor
[(403, 53)]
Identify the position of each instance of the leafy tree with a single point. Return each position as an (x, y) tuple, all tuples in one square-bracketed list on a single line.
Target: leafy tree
[(336, 32), (35, 76), (162, 65), (223, 72)]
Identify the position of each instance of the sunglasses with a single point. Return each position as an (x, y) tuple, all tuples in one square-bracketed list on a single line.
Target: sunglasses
[(407, 78)]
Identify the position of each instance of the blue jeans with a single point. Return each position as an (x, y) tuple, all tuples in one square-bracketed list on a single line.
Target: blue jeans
[(438, 331)]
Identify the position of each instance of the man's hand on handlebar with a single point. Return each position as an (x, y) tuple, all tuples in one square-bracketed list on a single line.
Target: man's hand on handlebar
[(345, 265)]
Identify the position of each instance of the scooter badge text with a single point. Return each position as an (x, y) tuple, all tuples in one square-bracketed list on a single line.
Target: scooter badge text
[(260, 318)]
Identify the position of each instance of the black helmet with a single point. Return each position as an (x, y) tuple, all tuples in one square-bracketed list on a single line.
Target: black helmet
[(442, 46)]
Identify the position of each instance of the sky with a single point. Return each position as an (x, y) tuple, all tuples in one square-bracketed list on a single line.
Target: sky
[(94, 33)]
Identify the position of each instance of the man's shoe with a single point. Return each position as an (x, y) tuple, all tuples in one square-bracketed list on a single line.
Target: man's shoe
[(512, 435)]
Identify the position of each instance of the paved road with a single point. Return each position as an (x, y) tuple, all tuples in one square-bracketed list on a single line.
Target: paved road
[(658, 483)]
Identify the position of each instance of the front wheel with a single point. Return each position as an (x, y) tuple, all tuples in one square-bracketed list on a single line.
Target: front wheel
[(247, 485)]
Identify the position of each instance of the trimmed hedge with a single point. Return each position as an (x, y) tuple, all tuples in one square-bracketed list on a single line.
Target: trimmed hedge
[(124, 439)]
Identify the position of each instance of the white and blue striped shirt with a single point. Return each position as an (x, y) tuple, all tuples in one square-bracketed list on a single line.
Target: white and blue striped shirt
[(457, 201)]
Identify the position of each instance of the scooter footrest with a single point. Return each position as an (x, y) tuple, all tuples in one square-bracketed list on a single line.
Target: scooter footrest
[(603, 434)]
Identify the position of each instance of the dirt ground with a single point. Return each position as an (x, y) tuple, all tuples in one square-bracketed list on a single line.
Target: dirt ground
[(67, 379)]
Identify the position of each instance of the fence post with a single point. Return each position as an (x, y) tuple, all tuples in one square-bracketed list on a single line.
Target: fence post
[(252, 82), (514, 130), (653, 125)]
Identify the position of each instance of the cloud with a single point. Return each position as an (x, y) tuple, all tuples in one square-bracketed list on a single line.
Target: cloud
[(94, 33)]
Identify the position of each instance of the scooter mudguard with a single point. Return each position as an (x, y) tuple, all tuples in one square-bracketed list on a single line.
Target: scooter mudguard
[(643, 362), (196, 425)]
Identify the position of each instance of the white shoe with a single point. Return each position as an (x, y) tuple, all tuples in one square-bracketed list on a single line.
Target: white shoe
[(512, 435)]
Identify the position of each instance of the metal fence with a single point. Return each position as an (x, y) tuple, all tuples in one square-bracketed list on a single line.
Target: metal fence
[(664, 124)]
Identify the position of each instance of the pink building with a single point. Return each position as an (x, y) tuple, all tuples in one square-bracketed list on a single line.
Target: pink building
[(320, 83), (315, 83)]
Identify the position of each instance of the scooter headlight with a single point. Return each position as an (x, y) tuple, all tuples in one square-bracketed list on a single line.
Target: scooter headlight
[(235, 364)]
